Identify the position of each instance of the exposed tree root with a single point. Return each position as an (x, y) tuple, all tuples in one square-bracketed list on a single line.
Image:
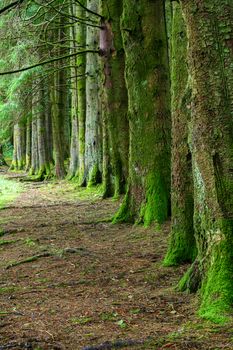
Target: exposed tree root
[(28, 260)]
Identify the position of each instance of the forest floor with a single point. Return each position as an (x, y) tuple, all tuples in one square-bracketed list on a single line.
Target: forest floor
[(69, 279)]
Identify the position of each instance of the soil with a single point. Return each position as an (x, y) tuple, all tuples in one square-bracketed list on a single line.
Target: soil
[(69, 279)]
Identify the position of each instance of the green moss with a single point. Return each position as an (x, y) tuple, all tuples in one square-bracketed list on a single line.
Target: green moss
[(94, 177), (7, 242), (180, 251), (124, 214), (155, 208), (217, 285), (44, 171)]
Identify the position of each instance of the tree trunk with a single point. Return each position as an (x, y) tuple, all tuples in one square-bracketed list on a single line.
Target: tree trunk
[(2, 160), (93, 151), (48, 123), (210, 34), (28, 143), (115, 99), (57, 107), (182, 247), (74, 145), (57, 134), (81, 85), (147, 76), (34, 150), (19, 154), (44, 165)]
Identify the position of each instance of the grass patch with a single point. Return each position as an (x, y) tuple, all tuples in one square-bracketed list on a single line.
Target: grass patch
[(70, 190), (9, 190), (7, 290)]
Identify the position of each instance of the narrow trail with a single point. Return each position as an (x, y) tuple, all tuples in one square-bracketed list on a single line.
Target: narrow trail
[(70, 279)]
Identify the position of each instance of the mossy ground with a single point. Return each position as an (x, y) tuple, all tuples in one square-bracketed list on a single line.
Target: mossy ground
[(92, 281), (8, 191)]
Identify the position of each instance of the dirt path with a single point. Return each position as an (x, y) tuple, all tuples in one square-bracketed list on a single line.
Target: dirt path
[(69, 279)]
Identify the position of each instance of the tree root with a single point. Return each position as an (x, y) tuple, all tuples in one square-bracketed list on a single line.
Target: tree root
[(28, 260), (81, 251)]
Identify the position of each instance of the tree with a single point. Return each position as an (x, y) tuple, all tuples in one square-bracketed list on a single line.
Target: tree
[(147, 80), (114, 95), (182, 246), (93, 146), (2, 160), (210, 27)]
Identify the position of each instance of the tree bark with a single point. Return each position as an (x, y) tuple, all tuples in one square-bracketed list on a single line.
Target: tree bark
[(74, 145), (147, 77), (28, 143), (81, 86), (34, 150), (19, 153), (114, 96), (93, 147), (44, 165), (210, 34), (182, 246)]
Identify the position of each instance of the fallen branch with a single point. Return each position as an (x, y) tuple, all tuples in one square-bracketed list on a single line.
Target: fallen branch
[(28, 260), (2, 242)]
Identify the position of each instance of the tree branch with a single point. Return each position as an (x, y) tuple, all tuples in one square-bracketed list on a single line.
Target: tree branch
[(48, 61), (88, 10), (10, 6)]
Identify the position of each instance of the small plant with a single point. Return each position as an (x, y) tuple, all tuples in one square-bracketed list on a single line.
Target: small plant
[(109, 316), (30, 242), (122, 324)]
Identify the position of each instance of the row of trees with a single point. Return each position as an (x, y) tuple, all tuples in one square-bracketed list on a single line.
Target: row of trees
[(136, 95)]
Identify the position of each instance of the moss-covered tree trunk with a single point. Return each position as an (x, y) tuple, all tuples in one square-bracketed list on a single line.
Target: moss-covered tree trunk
[(182, 247), (19, 155), (81, 86), (93, 149), (34, 145), (28, 143), (210, 35), (58, 95), (57, 134), (115, 98), (48, 122), (147, 76), (74, 144), (44, 163)]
